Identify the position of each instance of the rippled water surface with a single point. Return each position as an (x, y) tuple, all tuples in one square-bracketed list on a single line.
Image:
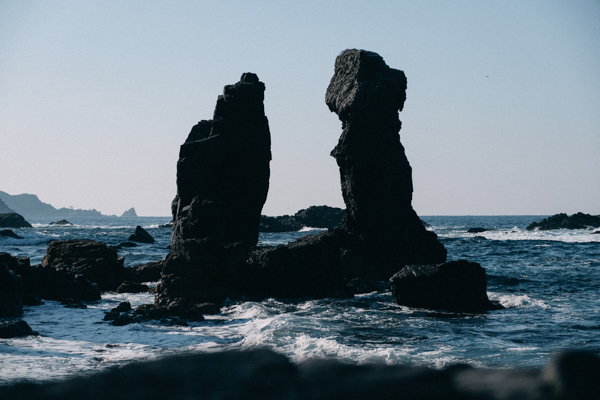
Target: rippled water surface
[(549, 281)]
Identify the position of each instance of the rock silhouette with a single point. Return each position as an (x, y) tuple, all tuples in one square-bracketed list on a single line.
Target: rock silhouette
[(13, 220), (563, 221), (141, 236), (222, 184), (375, 174)]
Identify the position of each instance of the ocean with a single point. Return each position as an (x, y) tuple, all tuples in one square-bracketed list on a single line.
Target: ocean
[(549, 282)]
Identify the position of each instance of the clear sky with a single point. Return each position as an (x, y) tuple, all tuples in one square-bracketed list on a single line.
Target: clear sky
[(502, 113)]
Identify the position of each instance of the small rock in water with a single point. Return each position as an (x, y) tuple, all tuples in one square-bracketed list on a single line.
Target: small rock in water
[(12, 329), (61, 222), (141, 236), (72, 303), (10, 234), (477, 230)]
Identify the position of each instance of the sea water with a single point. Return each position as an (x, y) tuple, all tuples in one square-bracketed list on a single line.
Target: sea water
[(549, 282)]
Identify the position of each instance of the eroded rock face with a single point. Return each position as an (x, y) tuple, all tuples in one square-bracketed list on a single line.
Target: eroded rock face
[(223, 170), (375, 174)]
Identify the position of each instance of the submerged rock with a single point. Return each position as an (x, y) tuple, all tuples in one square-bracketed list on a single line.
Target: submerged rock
[(477, 230), (375, 174), (13, 220), (141, 236), (459, 286), (10, 234), (563, 221)]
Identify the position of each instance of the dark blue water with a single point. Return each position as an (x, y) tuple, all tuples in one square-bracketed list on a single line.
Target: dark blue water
[(549, 281)]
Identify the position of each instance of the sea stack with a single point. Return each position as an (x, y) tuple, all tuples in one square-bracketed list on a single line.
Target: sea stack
[(375, 174), (222, 184)]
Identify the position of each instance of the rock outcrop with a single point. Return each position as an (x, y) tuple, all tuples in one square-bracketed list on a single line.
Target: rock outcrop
[(129, 213), (563, 221), (222, 184), (458, 286), (13, 220), (61, 222), (223, 170), (11, 292), (13, 329), (375, 174), (94, 260), (264, 374), (312, 217), (141, 236), (49, 283)]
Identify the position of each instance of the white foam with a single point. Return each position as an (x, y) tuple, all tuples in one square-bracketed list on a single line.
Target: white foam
[(517, 301)]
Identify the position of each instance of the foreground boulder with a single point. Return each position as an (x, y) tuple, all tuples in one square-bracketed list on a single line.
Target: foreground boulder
[(11, 292), (264, 374), (141, 236), (375, 174), (458, 286), (563, 221), (13, 220), (94, 260)]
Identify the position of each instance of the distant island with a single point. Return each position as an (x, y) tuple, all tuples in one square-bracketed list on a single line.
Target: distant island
[(30, 206)]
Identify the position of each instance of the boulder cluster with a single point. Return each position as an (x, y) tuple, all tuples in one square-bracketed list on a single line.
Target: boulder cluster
[(563, 221)]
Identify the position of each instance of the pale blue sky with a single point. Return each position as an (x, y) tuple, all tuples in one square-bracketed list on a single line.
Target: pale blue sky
[(502, 113)]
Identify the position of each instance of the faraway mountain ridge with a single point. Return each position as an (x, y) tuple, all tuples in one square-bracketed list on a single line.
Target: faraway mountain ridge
[(30, 206)]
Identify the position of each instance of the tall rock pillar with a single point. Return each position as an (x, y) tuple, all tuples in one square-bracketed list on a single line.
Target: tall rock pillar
[(222, 185), (375, 174)]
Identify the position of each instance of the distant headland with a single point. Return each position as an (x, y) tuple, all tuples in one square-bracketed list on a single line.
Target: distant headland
[(30, 206)]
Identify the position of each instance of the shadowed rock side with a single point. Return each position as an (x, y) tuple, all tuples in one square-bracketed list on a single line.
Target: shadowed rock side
[(223, 170), (375, 174), (222, 184), (263, 374)]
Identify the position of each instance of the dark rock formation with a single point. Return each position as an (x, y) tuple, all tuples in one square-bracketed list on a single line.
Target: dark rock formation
[(94, 260), (477, 230), (141, 236), (13, 329), (458, 286), (313, 217), (73, 303), (308, 267), (375, 174), (61, 222), (47, 282), (10, 234), (264, 374), (13, 220), (129, 213), (167, 225), (223, 170), (282, 223), (562, 221), (222, 183), (149, 272), (11, 292), (132, 287)]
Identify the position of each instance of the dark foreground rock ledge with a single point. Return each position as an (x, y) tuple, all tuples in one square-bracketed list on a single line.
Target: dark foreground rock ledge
[(263, 374)]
